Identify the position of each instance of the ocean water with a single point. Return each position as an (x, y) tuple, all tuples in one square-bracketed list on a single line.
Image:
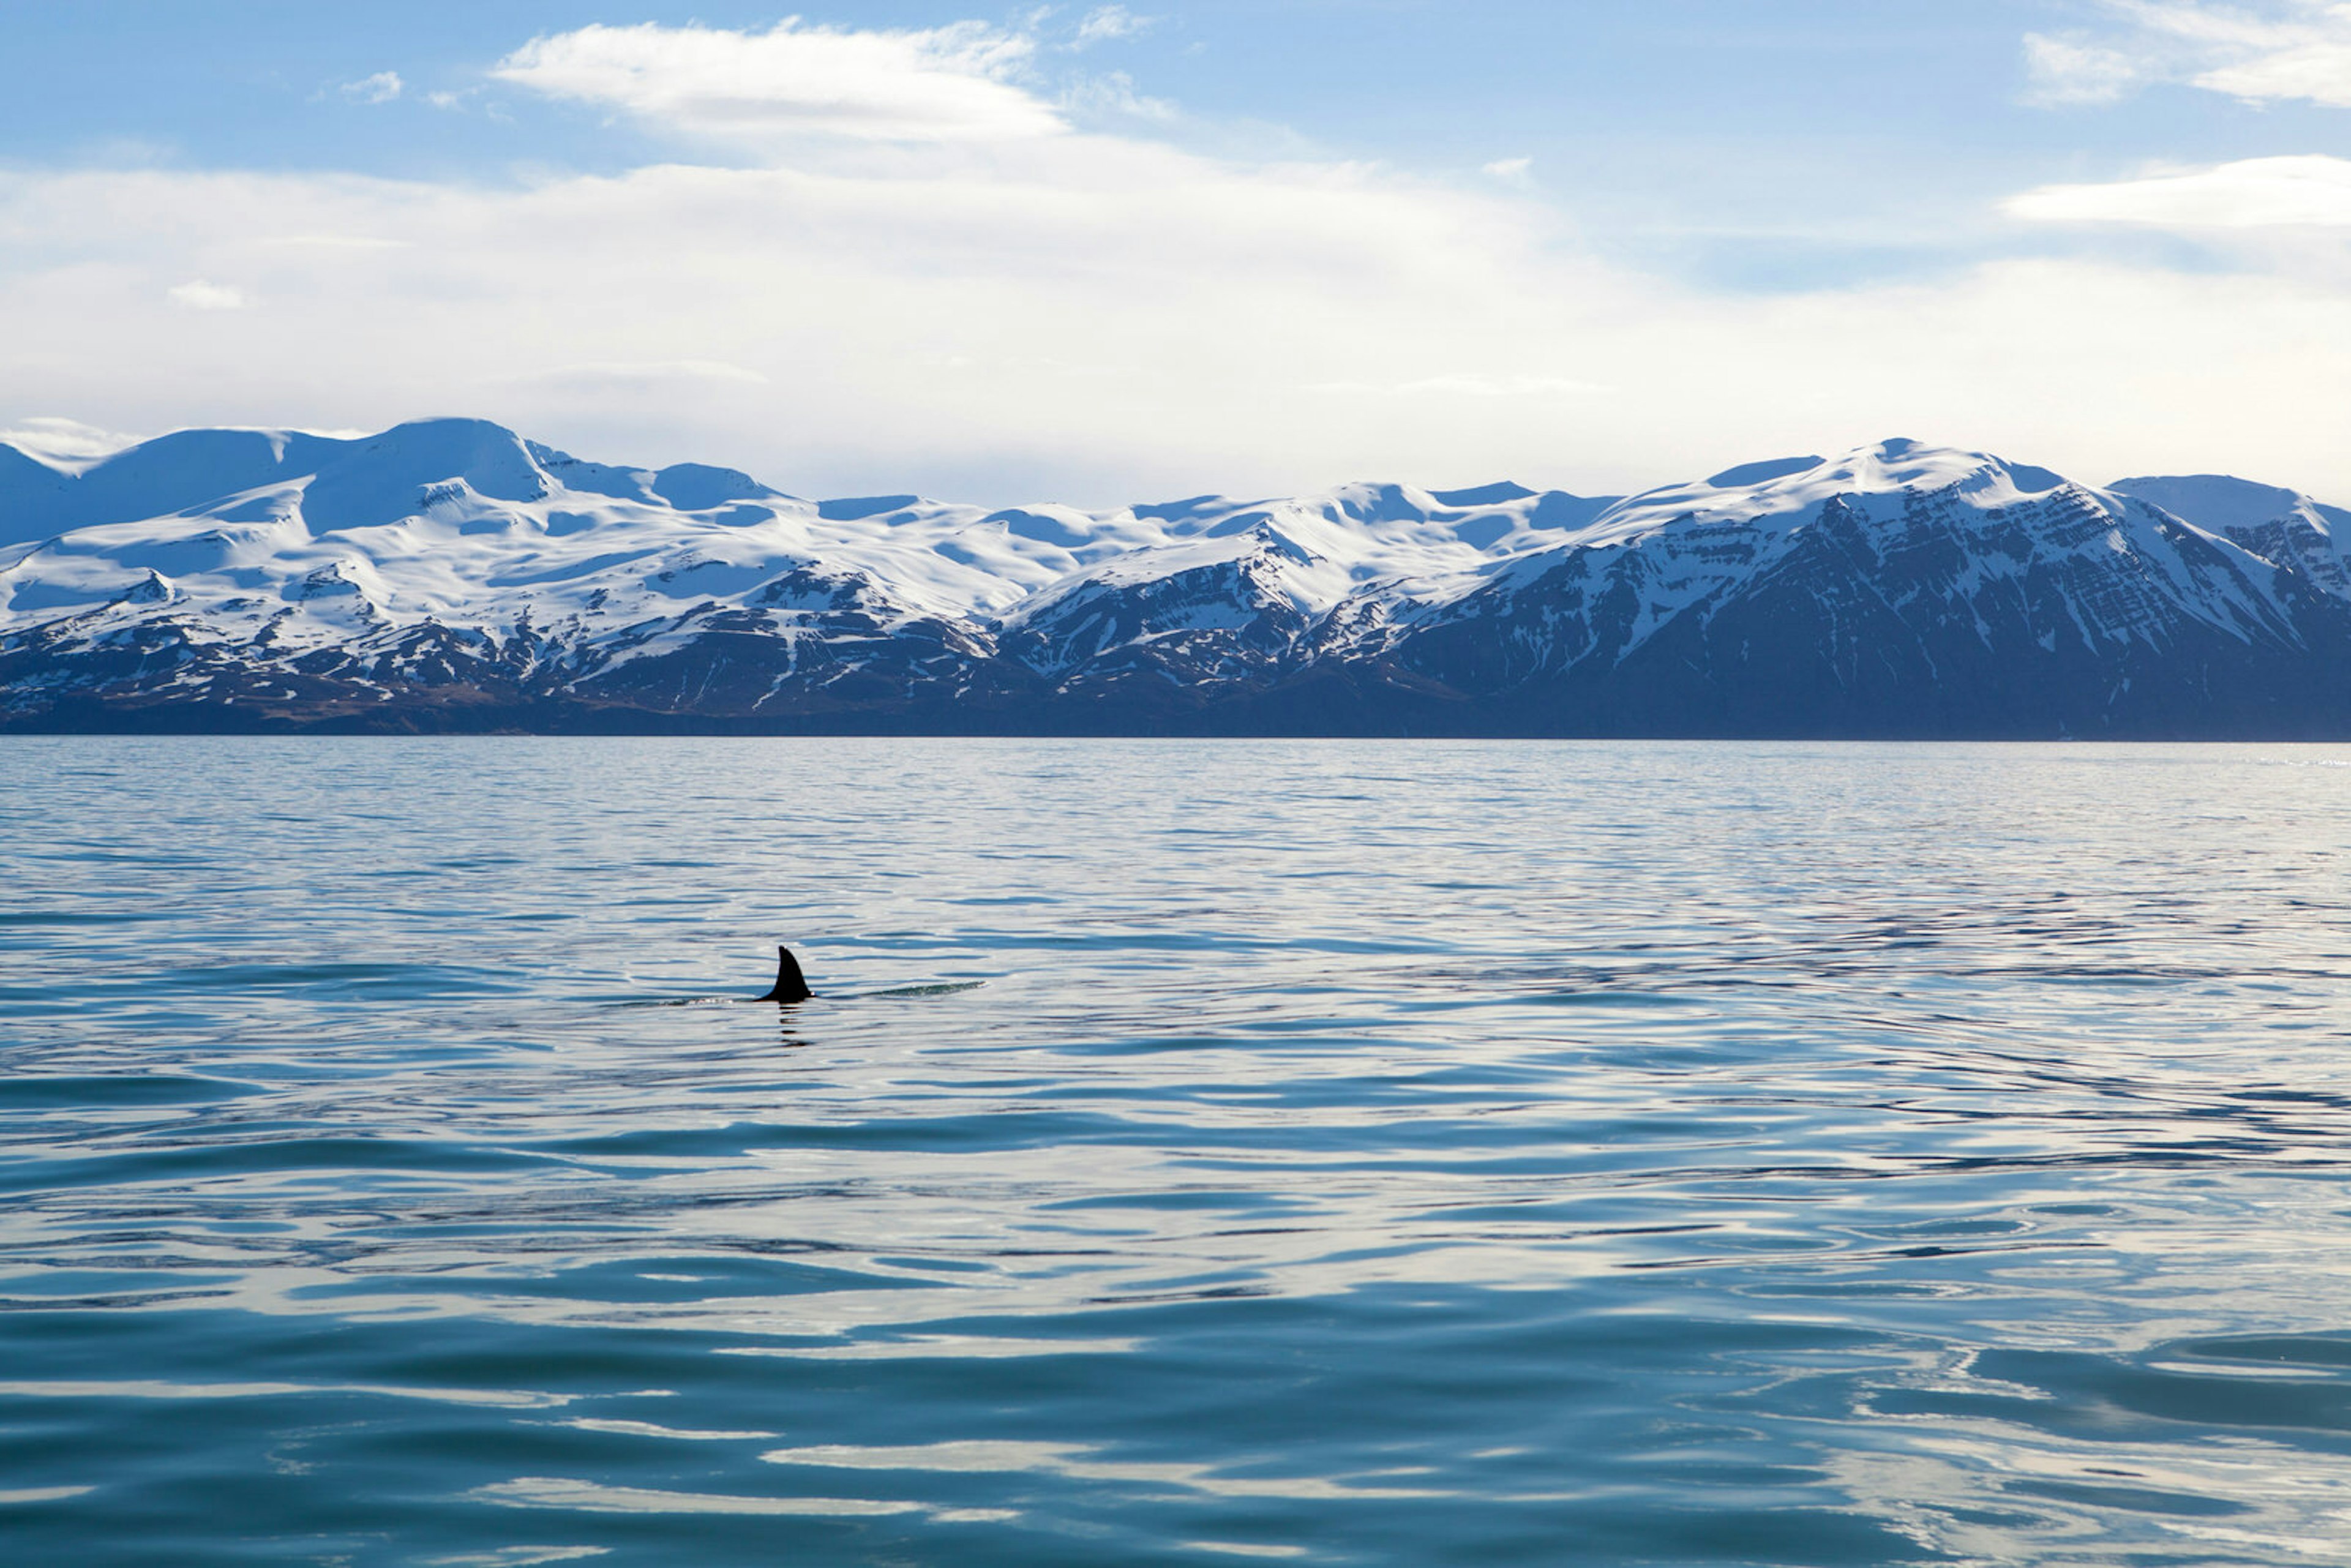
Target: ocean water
[(1198, 1152)]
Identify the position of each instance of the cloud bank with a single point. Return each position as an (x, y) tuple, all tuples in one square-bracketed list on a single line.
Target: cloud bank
[(2308, 190), (890, 260), (2277, 51)]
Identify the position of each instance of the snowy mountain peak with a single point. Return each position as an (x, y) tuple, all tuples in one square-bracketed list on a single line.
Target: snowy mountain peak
[(453, 561), (699, 487), (2217, 503), (1763, 473), (408, 468), (1786, 491), (2278, 524), (1897, 464), (1496, 494)]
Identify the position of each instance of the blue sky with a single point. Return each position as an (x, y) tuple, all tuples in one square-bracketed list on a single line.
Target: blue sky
[(1097, 251)]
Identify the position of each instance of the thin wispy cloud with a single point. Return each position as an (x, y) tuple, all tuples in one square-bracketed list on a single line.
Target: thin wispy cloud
[(2061, 71), (1112, 94), (381, 87), (2260, 52), (1106, 24)]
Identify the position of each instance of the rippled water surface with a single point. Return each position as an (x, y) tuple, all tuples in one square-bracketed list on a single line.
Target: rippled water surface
[(1406, 1153)]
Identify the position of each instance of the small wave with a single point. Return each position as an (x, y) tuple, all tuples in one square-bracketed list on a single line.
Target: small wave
[(891, 994)]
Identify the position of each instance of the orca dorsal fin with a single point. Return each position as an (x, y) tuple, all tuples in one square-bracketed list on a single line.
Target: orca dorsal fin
[(790, 984)]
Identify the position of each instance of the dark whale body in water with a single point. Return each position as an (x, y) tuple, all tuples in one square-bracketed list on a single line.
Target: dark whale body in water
[(790, 986)]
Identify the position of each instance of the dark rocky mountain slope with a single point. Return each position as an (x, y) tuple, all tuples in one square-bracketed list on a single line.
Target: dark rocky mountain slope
[(452, 576)]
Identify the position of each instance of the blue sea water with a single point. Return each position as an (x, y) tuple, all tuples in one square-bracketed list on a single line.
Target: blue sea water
[(1198, 1152)]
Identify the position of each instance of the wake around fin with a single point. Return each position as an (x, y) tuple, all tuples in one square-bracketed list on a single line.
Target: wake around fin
[(790, 984)]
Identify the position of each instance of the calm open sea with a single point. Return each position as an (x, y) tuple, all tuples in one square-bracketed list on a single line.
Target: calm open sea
[(1335, 1152)]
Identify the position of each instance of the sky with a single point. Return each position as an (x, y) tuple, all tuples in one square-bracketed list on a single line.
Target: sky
[(1103, 254)]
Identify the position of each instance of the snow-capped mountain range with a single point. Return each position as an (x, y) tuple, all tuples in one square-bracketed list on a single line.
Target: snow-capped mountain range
[(451, 575)]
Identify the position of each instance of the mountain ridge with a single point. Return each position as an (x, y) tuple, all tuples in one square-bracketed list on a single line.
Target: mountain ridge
[(451, 574)]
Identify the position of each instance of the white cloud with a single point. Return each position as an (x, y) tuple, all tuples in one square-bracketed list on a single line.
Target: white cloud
[(1113, 94), (339, 242), (198, 295), (2064, 72), (1092, 318), (948, 84), (380, 87), (2257, 193), (1108, 320), (641, 373), (1470, 385), (2318, 71), (2260, 51), (1512, 170), (66, 442), (1106, 24)]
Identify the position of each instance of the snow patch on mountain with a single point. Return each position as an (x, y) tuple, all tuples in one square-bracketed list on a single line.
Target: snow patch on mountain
[(455, 557), (2280, 525)]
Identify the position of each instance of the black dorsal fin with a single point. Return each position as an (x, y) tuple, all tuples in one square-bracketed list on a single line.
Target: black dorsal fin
[(790, 986)]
